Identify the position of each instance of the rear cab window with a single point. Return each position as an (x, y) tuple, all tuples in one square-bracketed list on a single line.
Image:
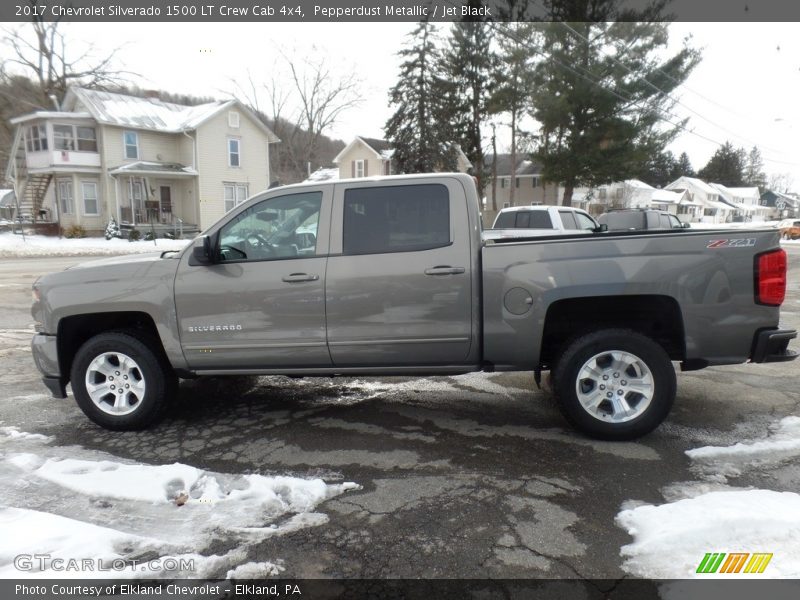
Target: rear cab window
[(407, 218), (568, 219)]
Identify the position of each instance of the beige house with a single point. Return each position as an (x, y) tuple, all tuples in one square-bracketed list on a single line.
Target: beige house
[(527, 181), (368, 157), (145, 162)]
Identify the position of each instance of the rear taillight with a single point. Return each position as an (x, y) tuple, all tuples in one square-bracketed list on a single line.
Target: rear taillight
[(771, 277)]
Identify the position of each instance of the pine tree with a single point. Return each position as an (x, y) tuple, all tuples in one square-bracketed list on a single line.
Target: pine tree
[(726, 166), (754, 170), (112, 229), (419, 129), (602, 93), (468, 65), (683, 168), (512, 84), (658, 169)]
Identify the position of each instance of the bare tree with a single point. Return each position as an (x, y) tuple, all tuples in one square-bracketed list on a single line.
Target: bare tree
[(780, 182), (302, 102), (42, 52)]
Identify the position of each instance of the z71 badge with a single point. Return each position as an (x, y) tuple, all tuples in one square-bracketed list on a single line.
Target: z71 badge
[(737, 243)]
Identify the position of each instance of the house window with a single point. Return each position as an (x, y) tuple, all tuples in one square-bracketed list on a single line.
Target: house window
[(64, 190), (387, 167), (359, 168), (87, 139), (535, 181), (91, 206), (36, 138), (131, 140), (234, 154), (233, 119), (63, 137), (235, 194), (502, 182), (516, 182)]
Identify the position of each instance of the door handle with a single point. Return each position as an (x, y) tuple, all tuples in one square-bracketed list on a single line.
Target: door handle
[(299, 278), (444, 270)]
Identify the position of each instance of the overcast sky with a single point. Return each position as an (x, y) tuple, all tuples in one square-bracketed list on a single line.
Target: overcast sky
[(746, 90)]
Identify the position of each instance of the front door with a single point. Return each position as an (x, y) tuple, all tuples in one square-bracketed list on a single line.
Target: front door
[(262, 305), (165, 193), (399, 281)]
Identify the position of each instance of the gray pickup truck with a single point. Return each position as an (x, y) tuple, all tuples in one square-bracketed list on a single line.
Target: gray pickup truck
[(389, 276)]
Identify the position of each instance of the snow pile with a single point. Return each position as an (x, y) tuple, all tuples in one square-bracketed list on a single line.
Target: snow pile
[(12, 245), (256, 570), (84, 504), (718, 462), (670, 540), (15, 433)]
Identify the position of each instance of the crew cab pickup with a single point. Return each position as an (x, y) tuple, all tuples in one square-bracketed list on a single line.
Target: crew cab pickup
[(539, 220), (389, 276), (628, 219)]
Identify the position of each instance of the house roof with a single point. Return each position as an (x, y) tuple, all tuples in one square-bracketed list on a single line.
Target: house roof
[(694, 182), (380, 148), (49, 114), (142, 167), (152, 113), (636, 183), (745, 192), (668, 197), (525, 166)]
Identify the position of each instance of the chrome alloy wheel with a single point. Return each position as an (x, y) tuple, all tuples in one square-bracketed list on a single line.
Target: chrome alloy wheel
[(115, 383), (615, 386)]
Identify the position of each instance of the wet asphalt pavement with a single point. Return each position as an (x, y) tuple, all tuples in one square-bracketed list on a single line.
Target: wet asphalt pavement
[(472, 476)]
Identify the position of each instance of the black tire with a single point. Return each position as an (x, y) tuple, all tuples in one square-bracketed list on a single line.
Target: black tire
[(566, 382), (159, 382)]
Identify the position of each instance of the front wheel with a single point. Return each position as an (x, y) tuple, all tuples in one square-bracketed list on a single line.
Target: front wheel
[(615, 384), (119, 382)]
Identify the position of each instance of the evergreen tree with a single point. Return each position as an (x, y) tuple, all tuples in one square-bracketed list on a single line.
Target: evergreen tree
[(754, 170), (602, 93), (512, 83), (683, 168), (419, 129), (726, 166), (658, 169), (112, 229), (468, 64)]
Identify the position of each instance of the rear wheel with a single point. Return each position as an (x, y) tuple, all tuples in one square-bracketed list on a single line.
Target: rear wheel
[(615, 384), (119, 382)]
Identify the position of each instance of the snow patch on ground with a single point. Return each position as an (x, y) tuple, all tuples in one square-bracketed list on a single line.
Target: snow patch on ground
[(87, 504), (14, 433), (256, 570), (670, 540), (705, 516), (719, 462), (13, 246)]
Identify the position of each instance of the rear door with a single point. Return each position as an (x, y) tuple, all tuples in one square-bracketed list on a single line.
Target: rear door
[(399, 278)]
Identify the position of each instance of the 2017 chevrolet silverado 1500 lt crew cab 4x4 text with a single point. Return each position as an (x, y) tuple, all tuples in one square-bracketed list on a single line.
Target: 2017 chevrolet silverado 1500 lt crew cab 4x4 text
[(389, 276)]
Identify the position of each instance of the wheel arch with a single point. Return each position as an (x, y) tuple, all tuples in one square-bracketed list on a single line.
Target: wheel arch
[(656, 316), (75, 330)]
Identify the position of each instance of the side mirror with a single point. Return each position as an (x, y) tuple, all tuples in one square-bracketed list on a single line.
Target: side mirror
[(601, 228), (687, 225), (202, 251)]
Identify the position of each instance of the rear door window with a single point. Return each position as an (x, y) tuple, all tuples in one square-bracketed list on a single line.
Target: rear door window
[(403, 218), (568, 219)]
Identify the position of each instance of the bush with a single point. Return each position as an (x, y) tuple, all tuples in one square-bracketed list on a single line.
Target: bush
[(149, 236), (134, 235), (112, 229), (168, 235), (75, 231)]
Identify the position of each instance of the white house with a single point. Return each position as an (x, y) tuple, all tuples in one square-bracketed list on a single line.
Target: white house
[(143, 161), (714, 208), (746, 201)]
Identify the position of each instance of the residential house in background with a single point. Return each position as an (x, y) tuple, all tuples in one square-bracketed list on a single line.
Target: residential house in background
[(780, 205), (528, 183), (143, 161), (370, 157), (364, 157), (7, 202), (714, 208), (745, 200)]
